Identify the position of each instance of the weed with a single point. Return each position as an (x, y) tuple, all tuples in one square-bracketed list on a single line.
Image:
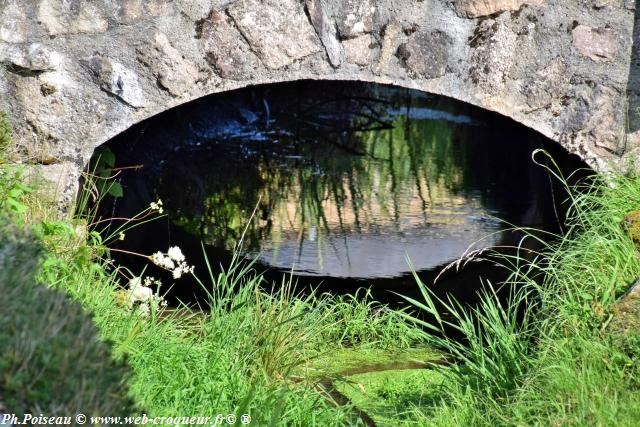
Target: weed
[(558, 363)]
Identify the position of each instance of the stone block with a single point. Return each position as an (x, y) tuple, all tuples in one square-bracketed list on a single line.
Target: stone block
[(118, 80), (71, 17), (174, 72), (34, 57), (479, 8), (359, 50), (278, 31), (355, 17), (226, 51), (426, 54), (325, 27), (597, 44), (13, 23)]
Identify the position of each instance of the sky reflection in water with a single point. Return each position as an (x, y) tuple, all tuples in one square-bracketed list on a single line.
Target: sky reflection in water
[(347, 179)]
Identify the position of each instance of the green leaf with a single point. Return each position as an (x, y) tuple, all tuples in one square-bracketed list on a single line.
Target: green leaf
[(115, 189), (107, 157)]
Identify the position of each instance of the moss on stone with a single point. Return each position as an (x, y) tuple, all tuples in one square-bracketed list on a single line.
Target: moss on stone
[(5, 134), (626, 312), (631, 224)]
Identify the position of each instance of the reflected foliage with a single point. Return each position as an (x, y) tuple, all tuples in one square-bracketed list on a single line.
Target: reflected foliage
[(342, 179)]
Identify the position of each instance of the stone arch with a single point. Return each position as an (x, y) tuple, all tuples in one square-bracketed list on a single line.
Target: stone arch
[(76, 73)]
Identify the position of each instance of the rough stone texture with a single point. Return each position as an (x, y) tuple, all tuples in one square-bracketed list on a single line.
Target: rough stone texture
[(278, 30), (355, 17), (633, 88), (426, 53), (478, 8), (71, 17), (326, 29), (74, 73), (174, 72), (391, 39), (117, 79), (132, 11), (57, 184), (598, 44), (226, 50), (31, 58), (13, 23), (626, 311), (360, 50)]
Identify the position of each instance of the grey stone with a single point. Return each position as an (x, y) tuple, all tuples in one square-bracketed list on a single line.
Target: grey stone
[(326, 29), (226, 50), (593, 112), (71, 17), (359, 50), (174, 72), (277, 30), (390, 42), (118, 80), (132, 11), (56, 184), (597, 44), (426, 54), (479, 8), (543, 86), (355, 17), (13, 22), (493, 56), (626, 311), (34, 57)]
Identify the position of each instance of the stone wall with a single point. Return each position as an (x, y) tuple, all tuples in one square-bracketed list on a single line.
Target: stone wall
[(74, 73)]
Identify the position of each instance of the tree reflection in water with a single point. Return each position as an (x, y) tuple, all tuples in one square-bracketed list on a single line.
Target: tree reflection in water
[(348, 179)]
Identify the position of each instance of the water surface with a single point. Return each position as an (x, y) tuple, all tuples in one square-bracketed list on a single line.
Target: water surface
[(337, 183)]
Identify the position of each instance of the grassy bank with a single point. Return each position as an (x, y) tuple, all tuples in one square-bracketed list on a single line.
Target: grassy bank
[(568, 359), (248, 352)]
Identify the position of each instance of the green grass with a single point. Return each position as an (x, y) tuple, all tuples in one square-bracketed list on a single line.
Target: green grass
[(562, 363), (240, 356), (393, 397), (345, 360)]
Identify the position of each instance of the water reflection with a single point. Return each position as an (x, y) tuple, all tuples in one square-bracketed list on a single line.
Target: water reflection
[(347, 179)]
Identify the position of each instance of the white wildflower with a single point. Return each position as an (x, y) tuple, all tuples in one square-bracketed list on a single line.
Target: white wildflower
[(175, 254), (174, 261), (144, 310), (134, 282), (157, 257), (149, 281), (161, 260), (168, 263), (142, 294), (156, 206)]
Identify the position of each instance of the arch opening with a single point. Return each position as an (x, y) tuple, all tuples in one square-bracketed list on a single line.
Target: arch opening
[(336, 183)]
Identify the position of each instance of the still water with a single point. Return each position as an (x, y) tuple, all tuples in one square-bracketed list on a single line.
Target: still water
[(337, 183)]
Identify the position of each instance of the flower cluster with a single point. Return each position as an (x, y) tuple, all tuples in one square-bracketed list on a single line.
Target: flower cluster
[(173, 261), (143, 297), (157, 206)]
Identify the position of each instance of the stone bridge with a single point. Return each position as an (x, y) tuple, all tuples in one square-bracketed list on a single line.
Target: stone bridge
[(75, 73)]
